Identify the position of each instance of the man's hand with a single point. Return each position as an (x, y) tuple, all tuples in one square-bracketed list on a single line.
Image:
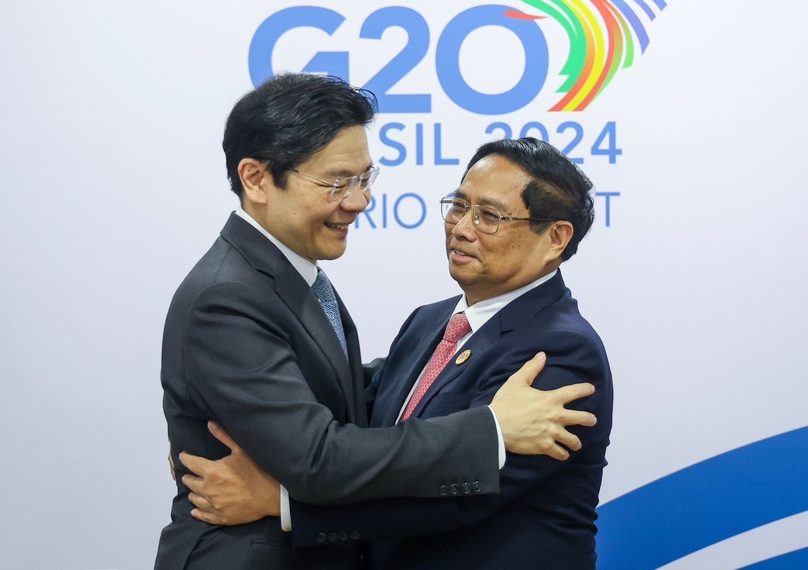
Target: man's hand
[(534, 422), (232, 490)]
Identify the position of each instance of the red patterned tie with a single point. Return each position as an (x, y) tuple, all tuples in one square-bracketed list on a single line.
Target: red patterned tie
[(457, 328)]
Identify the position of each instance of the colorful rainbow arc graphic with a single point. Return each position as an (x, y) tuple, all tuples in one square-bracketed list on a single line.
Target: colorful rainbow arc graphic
[(598, 46)]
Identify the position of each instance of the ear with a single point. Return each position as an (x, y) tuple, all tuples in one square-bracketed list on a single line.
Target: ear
[(253, 176), (559, 234)]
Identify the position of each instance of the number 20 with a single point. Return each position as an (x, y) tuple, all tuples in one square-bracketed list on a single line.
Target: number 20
[(447, 55)]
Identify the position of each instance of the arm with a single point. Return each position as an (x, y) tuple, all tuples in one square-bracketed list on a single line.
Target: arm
[(402, 517), (243, 372), (234, 491), (531, 422)]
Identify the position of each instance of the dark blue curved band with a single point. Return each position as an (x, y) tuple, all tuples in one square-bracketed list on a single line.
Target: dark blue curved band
[(705, 503)]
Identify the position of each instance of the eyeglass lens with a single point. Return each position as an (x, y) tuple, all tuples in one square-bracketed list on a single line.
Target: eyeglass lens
[(343, 186), (486, 219)]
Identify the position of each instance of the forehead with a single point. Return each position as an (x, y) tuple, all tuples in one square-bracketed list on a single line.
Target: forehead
[(494, 180), (346, 155)]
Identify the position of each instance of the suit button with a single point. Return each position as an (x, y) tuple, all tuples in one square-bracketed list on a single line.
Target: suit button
[(332, 537), (321, 537), (343, 536), (466, 488), (444, 490), (355, 535), (454, 489), (476, 486)]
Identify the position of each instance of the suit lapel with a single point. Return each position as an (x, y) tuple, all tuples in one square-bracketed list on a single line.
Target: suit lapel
[(479, 341), (510, 317), (293, 290), (430, 336), (358, 413)]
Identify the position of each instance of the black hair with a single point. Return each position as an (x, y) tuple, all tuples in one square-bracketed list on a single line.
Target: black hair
[(288, 118), (558, 190)]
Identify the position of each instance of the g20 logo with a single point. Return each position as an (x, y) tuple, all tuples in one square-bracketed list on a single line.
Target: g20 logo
[(603, 36), (447, 56)]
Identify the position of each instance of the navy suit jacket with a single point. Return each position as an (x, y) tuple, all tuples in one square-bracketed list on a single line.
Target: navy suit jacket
[(544, 515), (247, 344)]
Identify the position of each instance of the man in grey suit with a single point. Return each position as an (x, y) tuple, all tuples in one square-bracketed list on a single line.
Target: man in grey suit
[(257, 340)]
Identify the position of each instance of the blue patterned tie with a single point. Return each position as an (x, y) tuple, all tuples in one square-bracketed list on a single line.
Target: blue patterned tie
[(325, 294)]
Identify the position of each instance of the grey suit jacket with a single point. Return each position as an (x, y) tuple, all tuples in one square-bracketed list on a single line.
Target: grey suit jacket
[(246, 344)]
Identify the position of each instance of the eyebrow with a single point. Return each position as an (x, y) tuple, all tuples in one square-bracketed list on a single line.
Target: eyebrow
[(484, 202)]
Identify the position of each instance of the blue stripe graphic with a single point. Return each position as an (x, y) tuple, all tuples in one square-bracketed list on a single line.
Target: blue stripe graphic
[(635, 23), (705, 503), (646, 9)]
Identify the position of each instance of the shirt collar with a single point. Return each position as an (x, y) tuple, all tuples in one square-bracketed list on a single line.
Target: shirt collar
[(479, 313), (306, 268)]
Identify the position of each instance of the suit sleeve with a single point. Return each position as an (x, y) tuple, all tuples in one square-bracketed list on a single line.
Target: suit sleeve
[(574, 358), (242, 370)]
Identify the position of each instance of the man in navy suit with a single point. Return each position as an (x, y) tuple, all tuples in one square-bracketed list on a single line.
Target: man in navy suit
[(521, 210)]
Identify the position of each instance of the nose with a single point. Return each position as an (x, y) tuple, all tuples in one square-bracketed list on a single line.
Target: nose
[(465, 227), (356, 201)]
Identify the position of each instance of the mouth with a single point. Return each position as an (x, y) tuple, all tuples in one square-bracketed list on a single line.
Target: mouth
[(459, 255), (340, 227)]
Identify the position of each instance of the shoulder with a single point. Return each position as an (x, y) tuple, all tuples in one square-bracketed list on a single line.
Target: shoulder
[(223, 280), (221, 267), (553, 312), (558, 329)]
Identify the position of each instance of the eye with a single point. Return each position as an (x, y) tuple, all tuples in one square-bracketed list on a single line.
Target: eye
[(489, 216), (458, 207)]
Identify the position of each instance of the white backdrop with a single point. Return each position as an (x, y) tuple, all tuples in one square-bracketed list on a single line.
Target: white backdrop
[(113, 185)]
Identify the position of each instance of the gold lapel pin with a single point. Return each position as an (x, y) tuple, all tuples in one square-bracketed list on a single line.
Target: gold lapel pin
[(465, 355)]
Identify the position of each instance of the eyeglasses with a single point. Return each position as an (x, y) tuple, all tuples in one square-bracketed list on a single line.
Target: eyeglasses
[(486, 219), (341, 187)]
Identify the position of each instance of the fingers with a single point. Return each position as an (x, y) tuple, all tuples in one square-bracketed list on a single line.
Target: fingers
[(205, 516), (195, 464), (200, 502), (539, 446), (579, 418), (559, 397), (195, 484), (558, 452), (570, 440), (541, 358), (204, 511), (567, 394), (222, 436), (530, 369)]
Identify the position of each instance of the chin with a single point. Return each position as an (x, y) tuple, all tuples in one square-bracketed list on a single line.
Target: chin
[(456, 274), (331, 254)]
